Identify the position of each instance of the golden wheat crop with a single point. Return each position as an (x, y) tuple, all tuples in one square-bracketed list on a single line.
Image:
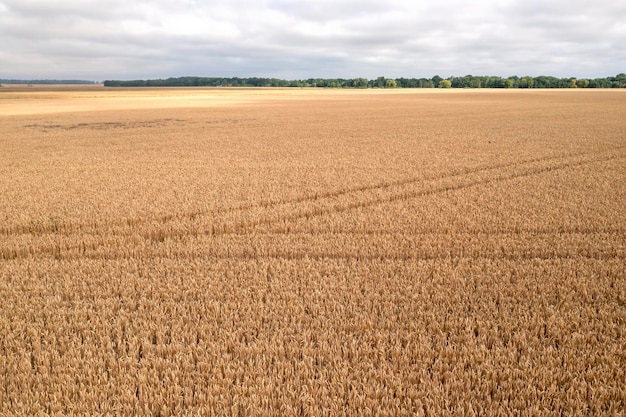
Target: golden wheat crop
[(268, 252)]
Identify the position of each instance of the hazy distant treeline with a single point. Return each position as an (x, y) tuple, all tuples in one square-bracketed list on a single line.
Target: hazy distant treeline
[(2, 81), (468, 81)]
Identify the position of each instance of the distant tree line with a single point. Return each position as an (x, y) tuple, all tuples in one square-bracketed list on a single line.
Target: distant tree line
[(468, 81), (33, 82)]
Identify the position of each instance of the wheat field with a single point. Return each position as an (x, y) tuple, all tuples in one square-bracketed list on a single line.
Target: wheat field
[(267, 252)]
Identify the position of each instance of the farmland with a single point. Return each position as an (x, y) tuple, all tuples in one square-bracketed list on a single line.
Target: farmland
[(312, 252)]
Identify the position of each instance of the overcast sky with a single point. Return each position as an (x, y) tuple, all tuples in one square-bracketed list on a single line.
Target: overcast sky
[(128, 39)]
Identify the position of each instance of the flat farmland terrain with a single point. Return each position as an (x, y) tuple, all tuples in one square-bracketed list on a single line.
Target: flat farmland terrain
[(262, 252)]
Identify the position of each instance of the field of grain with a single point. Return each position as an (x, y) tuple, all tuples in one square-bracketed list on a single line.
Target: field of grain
[(247, 252)]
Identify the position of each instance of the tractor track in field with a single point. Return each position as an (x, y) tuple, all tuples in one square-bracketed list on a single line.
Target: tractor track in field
[(436, 186), (56, 242), (326, 203)]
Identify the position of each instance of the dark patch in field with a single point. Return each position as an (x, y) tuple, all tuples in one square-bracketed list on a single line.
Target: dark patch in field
[(105, 125)]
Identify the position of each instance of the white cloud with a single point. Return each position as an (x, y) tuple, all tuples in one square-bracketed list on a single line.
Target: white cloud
[(98, 39)]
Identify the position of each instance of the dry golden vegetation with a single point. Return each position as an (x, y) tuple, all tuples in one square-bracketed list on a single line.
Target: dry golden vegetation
[(324, 253)]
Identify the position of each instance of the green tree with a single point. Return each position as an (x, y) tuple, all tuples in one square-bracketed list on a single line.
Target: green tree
[(476, 83), (380, 82), (389, 83), (445, 84), (424, 83), (582, 83), (526, 82), (572, 83), (359, 83)]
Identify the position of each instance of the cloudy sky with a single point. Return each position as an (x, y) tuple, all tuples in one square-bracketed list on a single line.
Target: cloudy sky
[(128, 39)]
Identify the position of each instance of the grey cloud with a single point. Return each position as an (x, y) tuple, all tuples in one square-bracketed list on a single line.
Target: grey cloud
[(96, 39)]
